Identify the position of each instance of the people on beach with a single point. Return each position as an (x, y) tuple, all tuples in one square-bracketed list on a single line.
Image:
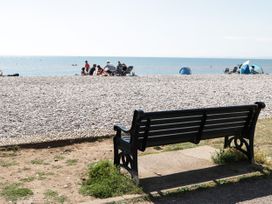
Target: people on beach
[(87, 67), (99, 71), (92, 70), (109, 68), (83, 71)]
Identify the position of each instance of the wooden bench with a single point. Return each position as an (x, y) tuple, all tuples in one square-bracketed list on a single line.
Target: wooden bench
[(235, 123)]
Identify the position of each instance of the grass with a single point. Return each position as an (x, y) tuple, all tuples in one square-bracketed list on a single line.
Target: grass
[(59, 157), (53, 197), (4, 163), (14, 192), (71, 162), (37, 161), (230, 155), (179, 146), (43, 175), (105, 180), (28, 179)]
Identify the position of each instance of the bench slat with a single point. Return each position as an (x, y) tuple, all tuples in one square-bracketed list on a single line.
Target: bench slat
[(170, 132), (191, 112), (172, 120), (224, 125), (155, 141), (227, 115), (226, 120), (170, 126), (215, 133)]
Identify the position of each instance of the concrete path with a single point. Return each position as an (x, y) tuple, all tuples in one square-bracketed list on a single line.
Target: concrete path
[(168, 170)]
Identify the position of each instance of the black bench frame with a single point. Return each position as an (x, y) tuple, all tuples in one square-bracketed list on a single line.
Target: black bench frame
[(235, 123)]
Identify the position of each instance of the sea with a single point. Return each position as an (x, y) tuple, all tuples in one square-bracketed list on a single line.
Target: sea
[(69, 66)]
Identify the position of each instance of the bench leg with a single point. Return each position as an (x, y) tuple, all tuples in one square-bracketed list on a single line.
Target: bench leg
[(116, 154), (134, 168), (242, 144)]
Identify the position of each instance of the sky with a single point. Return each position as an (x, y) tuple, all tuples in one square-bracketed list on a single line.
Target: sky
[(149, 28)]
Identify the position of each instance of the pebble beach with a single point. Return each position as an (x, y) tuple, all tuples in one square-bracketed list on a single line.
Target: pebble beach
[(37, 109)]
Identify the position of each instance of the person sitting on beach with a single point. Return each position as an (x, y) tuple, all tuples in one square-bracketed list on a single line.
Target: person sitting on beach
[(87, 67), (92, 70), (109, 68), (83, 71), (99, 71)]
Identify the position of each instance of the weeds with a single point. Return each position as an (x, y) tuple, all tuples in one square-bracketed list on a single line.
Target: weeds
[(71, 162), (225, 156), (14, 192), (104, 180), (7, 163), (54, 197), (37, 161)]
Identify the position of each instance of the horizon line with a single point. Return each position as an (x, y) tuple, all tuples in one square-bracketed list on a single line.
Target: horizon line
[(133, 56)]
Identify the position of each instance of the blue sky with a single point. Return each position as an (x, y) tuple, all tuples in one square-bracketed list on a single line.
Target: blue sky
[(170, 28)]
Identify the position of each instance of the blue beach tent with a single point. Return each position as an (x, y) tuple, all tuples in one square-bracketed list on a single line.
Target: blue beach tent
[(245, 68), (248, 68), (185, 71)]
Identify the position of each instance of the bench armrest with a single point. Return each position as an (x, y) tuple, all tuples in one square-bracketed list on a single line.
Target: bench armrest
[(121, 128)]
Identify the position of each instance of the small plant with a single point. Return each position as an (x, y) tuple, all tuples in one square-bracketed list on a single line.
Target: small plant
[(59, 157), (54, 197), (179, 146), (37, 161), (71, 162), (104, 180), (42, 175), (228, 156), (28, 179), (262, 158), (7, 163), (13, 192)]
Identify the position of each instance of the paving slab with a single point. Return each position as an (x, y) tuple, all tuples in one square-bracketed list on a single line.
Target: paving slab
[(165, 163), (168, 170)]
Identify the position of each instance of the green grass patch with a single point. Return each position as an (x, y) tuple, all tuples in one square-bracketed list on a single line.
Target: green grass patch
[(4, 163), (179, 146), (14, 192), (43, 175), (105, 180), (53, 197), (71, 162), (37, 161), (59, 157), (230, 155), (28, 179)]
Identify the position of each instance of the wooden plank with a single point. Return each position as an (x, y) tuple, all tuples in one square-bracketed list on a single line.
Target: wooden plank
[(224, 125), (155, 141), (226, 120), (228, 115), (172, 120), (169, 132), (171, 126), (189, 112), (213, 133)]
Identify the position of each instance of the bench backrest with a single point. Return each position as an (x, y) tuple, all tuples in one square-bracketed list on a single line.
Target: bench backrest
[(192, 125)]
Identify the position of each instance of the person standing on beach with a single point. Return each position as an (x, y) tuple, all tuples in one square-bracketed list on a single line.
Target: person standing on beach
[(92, 70), (87, 67)]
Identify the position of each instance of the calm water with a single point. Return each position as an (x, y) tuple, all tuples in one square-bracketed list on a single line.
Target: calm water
[(60, 66)]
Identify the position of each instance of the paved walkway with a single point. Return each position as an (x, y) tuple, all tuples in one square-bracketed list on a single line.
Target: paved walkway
[(168, 171)]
